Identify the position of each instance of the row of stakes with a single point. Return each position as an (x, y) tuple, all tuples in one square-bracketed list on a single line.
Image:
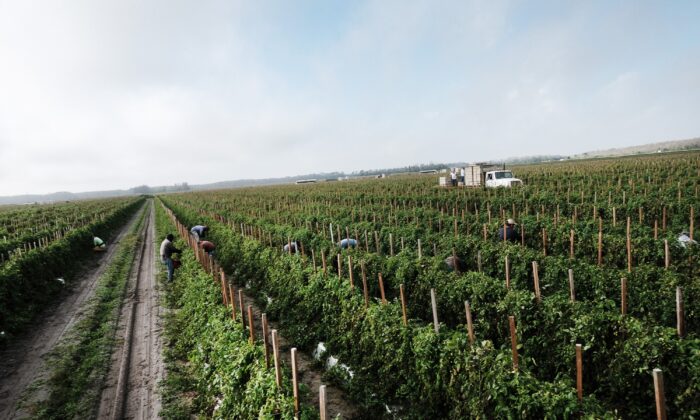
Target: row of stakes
[(211, 267)]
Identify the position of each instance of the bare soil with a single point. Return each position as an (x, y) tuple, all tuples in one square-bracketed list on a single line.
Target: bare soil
[(137, 365), (22, 362)]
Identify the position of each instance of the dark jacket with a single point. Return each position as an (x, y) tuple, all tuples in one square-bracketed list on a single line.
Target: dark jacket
[(511, 234)]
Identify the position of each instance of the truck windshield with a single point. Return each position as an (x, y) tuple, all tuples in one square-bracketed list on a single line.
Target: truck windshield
[(504, 174)]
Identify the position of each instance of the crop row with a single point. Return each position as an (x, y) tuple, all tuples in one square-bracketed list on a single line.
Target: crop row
[(313, 305), (29, 282)]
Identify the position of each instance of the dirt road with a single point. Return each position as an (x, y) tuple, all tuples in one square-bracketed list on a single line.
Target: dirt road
[(22, 362), (137, 365)]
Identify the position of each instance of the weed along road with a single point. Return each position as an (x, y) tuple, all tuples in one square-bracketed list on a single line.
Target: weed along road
[(27, 363), (137, 365)]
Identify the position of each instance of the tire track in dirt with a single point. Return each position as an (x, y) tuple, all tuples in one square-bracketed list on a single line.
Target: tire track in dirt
[(22, 362), (137, 365)]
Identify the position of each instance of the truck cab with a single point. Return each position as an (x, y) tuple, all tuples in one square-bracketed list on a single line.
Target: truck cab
[(504, 178)]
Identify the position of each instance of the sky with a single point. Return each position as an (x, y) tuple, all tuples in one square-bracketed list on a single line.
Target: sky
[(112, 94)]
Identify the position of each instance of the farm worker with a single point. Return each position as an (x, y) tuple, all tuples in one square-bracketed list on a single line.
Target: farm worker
[(294, 247), (684, 240), (461, 174), (450, 262), (199, 231), (510, 233), (167, 249), (453, 177), (347, 243), (100, 245), (208, 247)]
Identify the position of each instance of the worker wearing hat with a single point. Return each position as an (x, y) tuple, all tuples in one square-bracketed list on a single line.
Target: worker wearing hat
[(508, 231)]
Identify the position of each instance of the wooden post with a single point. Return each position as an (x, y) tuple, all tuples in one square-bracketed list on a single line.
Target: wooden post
[(600, 242), (656, 229), (403, 305), (223, 287), (376, 242), (313, 259), (680, 317), (420, 250), (276, 357), (485, 232), (454, 260), (322, 402), (478, 260), (614, 217), (323, 259), (659, 394), (522, 234), (572, 290), (232, 296), (251, 325), (295, 382), (364, 284), (340, 265), (265, 329), (544, 241), (579, 372), (513, 342), (692, 222), (623, 300), (536, 276), (470, 326), (240, 305), (352, 279), (381, 289), (391, 244), (663, 220), (629, 248), (571, 244), (433, 301), (507, 273), (667, 255)]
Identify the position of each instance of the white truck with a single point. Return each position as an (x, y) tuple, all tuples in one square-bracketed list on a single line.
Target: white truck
[(481, 174)]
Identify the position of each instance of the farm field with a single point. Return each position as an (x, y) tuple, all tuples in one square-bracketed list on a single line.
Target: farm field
[(593, 311)]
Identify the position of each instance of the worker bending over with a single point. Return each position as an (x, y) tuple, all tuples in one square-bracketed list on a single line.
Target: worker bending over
[(509, 232), (199, 232)]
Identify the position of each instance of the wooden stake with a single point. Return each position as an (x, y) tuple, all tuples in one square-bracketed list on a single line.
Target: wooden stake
[(579, 372), (667, 255), (322, 402), (572, 290), (295, 382), (536, 276), (623, 300), (232, 299), (571, 244), (403, 305), (391, 244), (659, 394), (276, 357), (323, 259), (240, 305), (692, 222), (340, 265), (600, 242), (364, 284), (513, 342), (470, 326), (352, 279), (265, 329), (223, 287), (663, 220), (656, 229), (420, 250), (680, 317), (251, 325), (381, 289), (433, 301), (507, 273), (629, 248), (478, 260)]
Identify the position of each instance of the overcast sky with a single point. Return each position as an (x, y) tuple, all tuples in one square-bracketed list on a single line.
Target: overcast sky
[(99, 95)]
